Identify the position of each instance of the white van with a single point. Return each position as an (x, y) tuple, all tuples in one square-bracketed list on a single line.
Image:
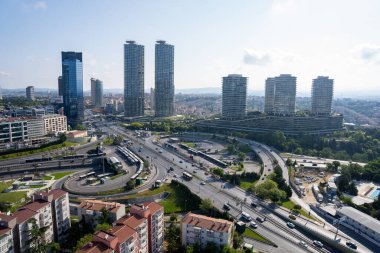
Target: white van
[(246, 216)]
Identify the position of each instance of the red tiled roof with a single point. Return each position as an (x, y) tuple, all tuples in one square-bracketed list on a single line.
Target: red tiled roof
[(24, 215), (132, 221), (4, 230), (97, 205), (5, 217), (57, 193), (94, 247), (36, 205), (153, 207), (105, 236), (217, 225), (122, 232)]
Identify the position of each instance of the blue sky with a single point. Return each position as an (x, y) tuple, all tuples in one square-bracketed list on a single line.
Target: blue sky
[(212, 38)]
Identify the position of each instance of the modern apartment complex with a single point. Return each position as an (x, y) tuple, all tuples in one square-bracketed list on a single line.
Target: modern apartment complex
[(30, 93), (234, 96), (13, 129), (72, 78), (322, 95), (164, 79), (202, 229), (91, 211), (49, 211), (139, 231), (54, 123), (280, 95), (96, 93), (133, 79)]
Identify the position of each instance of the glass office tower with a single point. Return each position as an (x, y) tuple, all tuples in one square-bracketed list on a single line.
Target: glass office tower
[(72, 78)]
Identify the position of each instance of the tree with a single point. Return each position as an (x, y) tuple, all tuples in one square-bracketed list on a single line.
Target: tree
[(288, 162), (352, 190), (206, 205), (131, 184), (105, 218), (80, 127), (241, 156), (37, 242), (172, 235), (218, 171), (237, 240), (83, 241), (102, 227), (269, 190)]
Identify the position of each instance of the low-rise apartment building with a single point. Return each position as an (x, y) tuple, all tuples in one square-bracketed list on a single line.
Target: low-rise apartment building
[(201, 229), (54, 123), (139, 231), (91, 211)]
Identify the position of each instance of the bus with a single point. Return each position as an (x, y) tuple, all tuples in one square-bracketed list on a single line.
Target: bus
[(187, 176), (90, 174)]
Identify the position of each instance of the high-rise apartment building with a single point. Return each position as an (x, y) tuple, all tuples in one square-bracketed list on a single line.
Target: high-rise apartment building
[(234, 96), (321, 95), (280, 95), (152, 98), (96, 92), (30, 93), (60, 86), (133, 79), (164, 79), (72, 78)]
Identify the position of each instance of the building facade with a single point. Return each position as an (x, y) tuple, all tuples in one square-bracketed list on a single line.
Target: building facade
[(234, 96), (322, 95), (164, 79), (280, 95), (30, 93), (96, 92), (202, 229), (54, 123), (91, 211), (72, 78), (13, 130), (139, 231), (133, 79), (7, 224), (60, 86)]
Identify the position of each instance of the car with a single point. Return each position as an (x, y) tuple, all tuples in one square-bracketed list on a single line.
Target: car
[(351, 245), (263, 178), (175, 175), (206, 173), (260, 219), (171, 169), (203, 183), (192, 165), (160, 151), (318, 243), (147, 156), (303, 244), (290, 224), (253, 224), (253, 204), (180, 161), (194, 171), (226, 206)]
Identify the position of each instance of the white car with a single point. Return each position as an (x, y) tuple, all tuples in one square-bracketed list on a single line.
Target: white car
[(303, 244), (203, 183), (253, 224)]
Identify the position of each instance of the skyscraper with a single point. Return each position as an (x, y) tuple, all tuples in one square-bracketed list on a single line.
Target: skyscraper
[(164, 79), (30, 93), (234, 96), (269, 95), (280, 95), (322, 95), (72, 78), (152, 98), (133, 79), (96, 92), (60, 86)]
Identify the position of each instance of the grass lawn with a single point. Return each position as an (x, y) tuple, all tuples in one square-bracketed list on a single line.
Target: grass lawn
[(37, 186), (246, 183), (189, 144), (47, 177), (290, 205), (50, 148), (255, 236), (5, 185), (59, 175), (12, 197)]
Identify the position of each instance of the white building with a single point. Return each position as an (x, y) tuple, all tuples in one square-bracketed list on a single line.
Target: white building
[(360, 223), (60, 212), (280, 95), (202, 229), (322, 95), (91, 211), (54, 123), (234, 96)]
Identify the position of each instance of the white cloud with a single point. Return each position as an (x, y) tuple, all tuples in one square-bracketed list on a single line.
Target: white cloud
[(369, 53), (282, 6), (3, 73), (261, 58), (40, 5)]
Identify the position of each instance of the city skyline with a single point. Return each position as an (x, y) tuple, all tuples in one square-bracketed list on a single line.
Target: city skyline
[(334, 46)]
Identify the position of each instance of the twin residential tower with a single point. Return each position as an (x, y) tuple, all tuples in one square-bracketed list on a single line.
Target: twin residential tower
[(134, 79)]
